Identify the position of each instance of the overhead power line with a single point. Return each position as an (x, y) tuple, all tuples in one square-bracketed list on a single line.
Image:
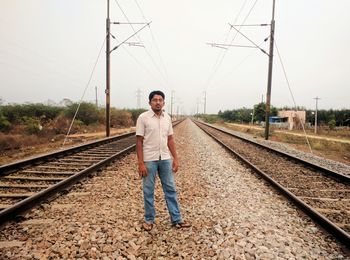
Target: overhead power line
[(139, 38), (87, 85), (138, 62), (223, 53), (256, 46), (154, 41), (135, 33)]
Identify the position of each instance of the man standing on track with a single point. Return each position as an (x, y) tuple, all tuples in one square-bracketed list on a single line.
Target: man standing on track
[(155, 145)]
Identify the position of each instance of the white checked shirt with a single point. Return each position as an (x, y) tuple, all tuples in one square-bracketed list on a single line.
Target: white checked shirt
[(155, 132)]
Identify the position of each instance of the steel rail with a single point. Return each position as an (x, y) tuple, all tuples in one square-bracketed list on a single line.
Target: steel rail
[(32, 201), (328, 172), (24, 205), (324, 222), (9, 168)]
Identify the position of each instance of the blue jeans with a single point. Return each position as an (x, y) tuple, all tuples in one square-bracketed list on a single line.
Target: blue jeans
[(164, 169)]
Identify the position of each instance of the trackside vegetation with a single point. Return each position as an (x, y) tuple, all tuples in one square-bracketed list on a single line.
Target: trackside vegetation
[(330, 118), (40, 119)]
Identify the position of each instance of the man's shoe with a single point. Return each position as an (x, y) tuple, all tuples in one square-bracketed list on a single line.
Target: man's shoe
[(147, 226), (182, 224)]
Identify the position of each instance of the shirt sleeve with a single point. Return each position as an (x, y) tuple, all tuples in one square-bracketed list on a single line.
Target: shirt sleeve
[(140, 127)]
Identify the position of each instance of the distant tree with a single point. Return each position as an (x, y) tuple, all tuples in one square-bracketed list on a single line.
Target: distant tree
[(273, 111), (324, 116), (332, 124), (135, 113), (243, 115), (228, 115), (51, 102), (4, 123), (260, 112), (16, 113), (32, 125), (88, 113), (211, 119), (341, 116), (65, 102), (121, 118), (297, 108)]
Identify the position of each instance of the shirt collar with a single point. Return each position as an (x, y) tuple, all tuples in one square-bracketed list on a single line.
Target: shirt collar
[(152, 114)]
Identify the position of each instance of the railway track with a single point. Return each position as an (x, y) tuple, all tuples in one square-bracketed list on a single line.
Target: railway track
[(28, 183), (323, 194)]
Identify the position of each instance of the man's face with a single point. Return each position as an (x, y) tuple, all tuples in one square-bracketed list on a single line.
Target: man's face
[(157, 103)]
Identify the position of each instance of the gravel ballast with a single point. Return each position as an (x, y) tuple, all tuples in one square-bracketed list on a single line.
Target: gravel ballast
[(324, 162), (234, 215)]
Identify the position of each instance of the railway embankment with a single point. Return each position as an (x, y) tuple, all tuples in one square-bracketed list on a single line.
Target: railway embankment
[(234, 215)]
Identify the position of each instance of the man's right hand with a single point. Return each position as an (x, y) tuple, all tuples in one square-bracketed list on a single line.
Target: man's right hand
[(142, 170)]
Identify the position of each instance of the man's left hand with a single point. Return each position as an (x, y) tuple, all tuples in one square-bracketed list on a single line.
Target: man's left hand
[(175, 165)]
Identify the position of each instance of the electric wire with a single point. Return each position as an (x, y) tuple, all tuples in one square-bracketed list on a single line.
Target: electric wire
[(238, 65), (245, 25), (221, 53), (234, 37), (291, 93), (154, 41), (238, 31), (137, 61), (235, 45), (116, 47), (149, 55), (218, 58), (244, 20), (87, 85)]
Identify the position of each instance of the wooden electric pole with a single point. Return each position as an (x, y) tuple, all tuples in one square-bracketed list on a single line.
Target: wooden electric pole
[(108, 89), (316, 98), (270, 55), (108, 64), (269, 80)]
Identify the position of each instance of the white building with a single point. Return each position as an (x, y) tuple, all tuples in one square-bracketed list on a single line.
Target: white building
[(295, 119)]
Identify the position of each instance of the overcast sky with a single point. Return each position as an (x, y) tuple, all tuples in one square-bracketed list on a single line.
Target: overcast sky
[(48, 49)]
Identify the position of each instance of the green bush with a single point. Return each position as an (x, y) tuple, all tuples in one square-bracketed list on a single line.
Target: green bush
[(88, 113), (118, 117), (244, 115), (211, 119), (135, 113), (32, 125), (61, 125), (16, 113), (332, 124), (121, 117), (4, 124)]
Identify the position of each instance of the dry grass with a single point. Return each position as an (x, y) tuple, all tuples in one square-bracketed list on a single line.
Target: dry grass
[(16, 141), (339, 132), (322, 147), (14, 147)]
